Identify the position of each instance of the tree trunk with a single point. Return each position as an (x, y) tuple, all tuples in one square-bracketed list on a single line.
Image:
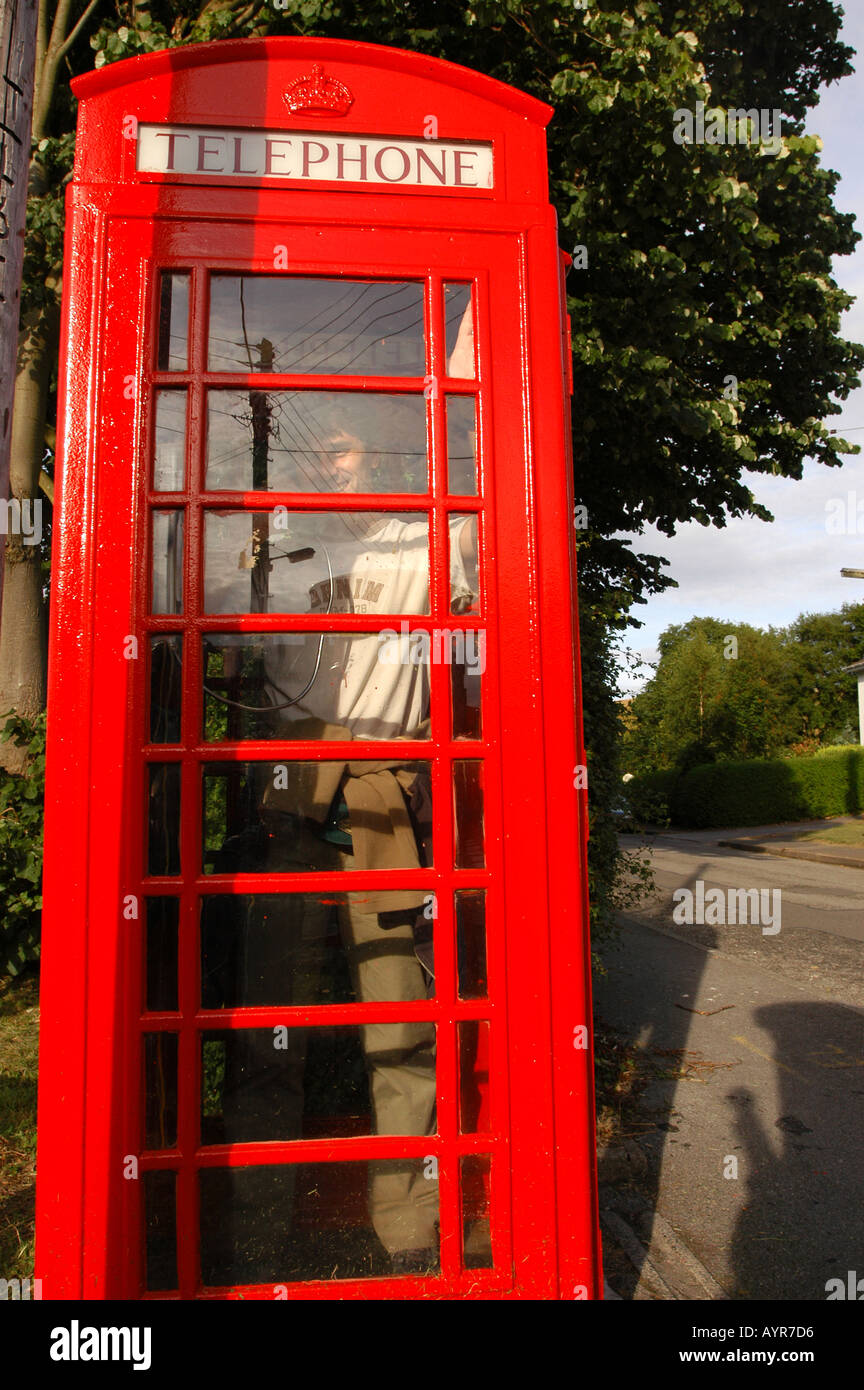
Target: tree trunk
[(18, 49), (23, 641), (22, 633)]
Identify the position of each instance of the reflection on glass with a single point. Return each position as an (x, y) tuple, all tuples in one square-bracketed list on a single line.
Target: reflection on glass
[(166, 685), (169, 450), (305, 948), (160, 1090), (161, 974), (167, 562), (160, 1223), (467, 664), (459, 331), (464, 577), (310, 685), (316, 441), (474, 1182), (317, 1083), (473, 1043), (471, 942), (163, 854), (461, 445), (316, 562), (293, 816), (468, 814), (291, 1222), (173, 353), (298, 325)]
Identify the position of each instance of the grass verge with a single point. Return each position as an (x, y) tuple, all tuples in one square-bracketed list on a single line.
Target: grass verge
[(850, 834), (19, 1044)]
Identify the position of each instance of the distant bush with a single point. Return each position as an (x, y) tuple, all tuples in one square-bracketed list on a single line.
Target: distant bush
[(766, 791), (648, 798)]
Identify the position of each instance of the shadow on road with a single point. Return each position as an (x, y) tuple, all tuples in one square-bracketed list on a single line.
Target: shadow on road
[(798, 1215)]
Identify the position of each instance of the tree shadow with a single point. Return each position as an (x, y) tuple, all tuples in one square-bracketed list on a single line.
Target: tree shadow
[(802, 1222), (630, 1183), (800, 1216)]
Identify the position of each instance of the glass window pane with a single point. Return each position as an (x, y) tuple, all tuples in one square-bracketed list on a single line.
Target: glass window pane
[(471, 942), (309, 948), (464, 575), (461, 445), (160, 1090), (163, 855), (316, 562), (284, 1083), (316, 441), (166, 686), (473, 1041), (284, 324), (310, 685), (160, 1221), (468, 814), (459, 331), (167, 562), (173, 352), (162, 919), (467, 664), (474, 1182), (289, 1222), (169, 449), (294, 816)]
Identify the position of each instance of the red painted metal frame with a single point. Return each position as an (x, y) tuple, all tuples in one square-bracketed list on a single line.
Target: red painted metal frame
[(123, 228)]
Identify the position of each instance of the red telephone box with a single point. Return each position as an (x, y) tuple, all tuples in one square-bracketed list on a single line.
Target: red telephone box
[(316, 969)]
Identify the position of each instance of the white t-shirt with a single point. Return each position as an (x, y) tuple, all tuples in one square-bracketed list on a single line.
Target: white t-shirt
[(359, 684)]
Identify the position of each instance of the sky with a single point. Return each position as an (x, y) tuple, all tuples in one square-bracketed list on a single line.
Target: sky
[(767, 573)]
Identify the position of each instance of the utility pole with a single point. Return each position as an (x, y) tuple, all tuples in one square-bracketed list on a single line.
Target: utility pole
[(18, 50), (259, 402)]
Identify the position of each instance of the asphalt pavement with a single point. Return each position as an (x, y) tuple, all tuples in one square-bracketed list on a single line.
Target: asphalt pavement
[(743, 1177)]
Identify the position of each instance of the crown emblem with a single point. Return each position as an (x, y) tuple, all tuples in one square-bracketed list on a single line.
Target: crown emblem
[(318, 95)]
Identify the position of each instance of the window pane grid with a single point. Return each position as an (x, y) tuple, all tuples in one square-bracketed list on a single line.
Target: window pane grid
[(446, 1010)]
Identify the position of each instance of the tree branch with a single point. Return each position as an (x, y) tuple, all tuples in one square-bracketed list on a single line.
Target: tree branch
[(244, 15), (58, 28), (46, 77), (41, 36), (523, 24), (77, 30)]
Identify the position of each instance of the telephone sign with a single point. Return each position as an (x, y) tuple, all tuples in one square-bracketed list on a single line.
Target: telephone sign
[(309, 157), (316, 992)]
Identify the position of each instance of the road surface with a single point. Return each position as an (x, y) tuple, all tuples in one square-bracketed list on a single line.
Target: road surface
[(752, 1128)]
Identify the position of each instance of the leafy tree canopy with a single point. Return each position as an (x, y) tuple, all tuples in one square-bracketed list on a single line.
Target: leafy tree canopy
[(706, 319), (726, 690)]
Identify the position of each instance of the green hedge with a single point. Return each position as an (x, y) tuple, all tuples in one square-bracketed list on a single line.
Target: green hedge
[(767, 791), (648, 798)]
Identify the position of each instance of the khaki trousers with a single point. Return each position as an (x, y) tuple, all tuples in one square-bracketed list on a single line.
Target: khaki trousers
[(400, 1059), (399, 1056)]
